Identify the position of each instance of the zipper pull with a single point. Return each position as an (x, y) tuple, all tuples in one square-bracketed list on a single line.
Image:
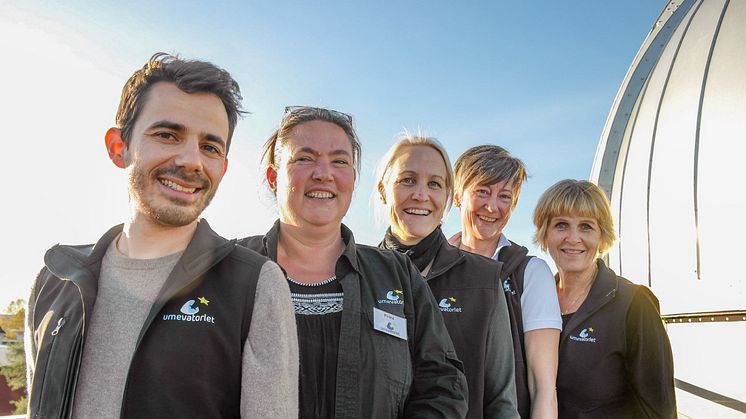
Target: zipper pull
[(60, 323)]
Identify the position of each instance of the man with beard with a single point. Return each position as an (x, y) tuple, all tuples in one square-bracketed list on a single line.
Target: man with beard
[(162, 317)]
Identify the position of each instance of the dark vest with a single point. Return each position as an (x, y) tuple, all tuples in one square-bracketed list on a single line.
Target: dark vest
[(188, 358), (515, 259), (192, 369)]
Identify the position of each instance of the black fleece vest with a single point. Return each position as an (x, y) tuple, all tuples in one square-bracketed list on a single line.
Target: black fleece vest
[(515, 259), (189, 365)]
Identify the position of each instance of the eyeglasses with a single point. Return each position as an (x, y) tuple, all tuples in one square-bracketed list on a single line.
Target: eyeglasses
[(290, 110)]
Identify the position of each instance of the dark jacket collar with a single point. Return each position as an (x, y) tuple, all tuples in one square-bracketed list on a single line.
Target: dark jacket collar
[(448, 256), (270, 240), (82, 265), (512, 257), (602, 291), (204, 250), (78, 263)]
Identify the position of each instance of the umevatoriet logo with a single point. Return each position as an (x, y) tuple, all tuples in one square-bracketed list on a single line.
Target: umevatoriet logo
[(190, 312), (393, 297), (508, 287), (447, 305), (585, 335)]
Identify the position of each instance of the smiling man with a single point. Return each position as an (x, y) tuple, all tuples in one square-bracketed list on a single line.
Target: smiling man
[(162, 317)]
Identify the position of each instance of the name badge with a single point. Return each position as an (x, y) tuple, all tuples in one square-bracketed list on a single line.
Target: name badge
[(390, 324)]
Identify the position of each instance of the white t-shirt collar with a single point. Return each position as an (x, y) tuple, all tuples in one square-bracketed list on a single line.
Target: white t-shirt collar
[(501, 242)]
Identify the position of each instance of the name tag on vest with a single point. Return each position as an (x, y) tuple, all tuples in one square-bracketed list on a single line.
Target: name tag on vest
[(390, 324)]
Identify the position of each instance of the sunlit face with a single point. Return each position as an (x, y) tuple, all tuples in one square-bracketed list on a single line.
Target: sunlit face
[(573, 242), (416, 187), (486, 209), (176, 155), (315, 175)]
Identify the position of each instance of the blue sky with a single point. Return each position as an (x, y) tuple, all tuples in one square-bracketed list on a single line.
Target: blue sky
[(535, 77)]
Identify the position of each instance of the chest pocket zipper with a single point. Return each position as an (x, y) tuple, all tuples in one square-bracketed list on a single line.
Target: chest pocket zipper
[(60, 323)]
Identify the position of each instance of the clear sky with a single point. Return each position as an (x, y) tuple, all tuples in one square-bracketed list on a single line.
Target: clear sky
[(535, 77)]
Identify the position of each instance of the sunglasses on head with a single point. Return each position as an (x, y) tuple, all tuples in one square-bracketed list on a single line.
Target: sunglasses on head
[(291, 110)]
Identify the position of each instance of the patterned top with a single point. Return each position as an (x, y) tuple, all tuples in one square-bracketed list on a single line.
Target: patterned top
[(317, 304), (318, 314)]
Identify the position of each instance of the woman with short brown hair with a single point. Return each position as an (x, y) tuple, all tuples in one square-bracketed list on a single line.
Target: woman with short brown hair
[(488, 183)]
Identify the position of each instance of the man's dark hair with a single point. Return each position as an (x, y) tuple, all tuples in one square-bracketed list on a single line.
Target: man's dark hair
[(190, 76)]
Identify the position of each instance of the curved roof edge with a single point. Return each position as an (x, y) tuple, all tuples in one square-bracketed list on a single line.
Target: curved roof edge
[(607, 153)]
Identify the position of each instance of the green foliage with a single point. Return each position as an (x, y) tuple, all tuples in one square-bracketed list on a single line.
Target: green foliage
[(14, 319), (15, 306), (15, 371), (21, 405)]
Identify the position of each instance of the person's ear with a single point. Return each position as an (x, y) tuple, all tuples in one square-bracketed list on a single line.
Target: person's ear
[(381, 192), (457, 200), (115, 147), (225, 166), (272, 178)]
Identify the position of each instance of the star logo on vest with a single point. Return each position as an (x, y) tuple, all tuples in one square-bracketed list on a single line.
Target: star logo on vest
[(446, 305), (393, 297), (507, 287), (585, 335), (190, 312)]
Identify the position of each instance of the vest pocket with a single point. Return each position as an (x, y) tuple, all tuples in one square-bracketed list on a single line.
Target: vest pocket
[(391, 361), (55, 370)]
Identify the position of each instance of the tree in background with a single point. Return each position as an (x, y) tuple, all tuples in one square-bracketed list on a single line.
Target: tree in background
[(15, 374), (15, 371), (14, 318)]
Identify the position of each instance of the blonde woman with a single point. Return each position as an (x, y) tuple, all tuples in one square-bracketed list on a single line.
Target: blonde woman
[(615, 359), (415, 185)]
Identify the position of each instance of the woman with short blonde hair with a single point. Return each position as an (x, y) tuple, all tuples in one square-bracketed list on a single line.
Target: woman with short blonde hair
[(614, 355), (578, 197)]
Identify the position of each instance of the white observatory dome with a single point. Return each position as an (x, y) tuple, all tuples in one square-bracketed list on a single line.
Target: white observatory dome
[(670, 159)]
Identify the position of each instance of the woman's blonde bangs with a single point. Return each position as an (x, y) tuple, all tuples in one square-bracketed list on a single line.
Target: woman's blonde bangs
[(578, 198)]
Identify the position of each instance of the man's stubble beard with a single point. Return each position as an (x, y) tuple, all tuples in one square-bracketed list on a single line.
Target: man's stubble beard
[(179, 213)]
